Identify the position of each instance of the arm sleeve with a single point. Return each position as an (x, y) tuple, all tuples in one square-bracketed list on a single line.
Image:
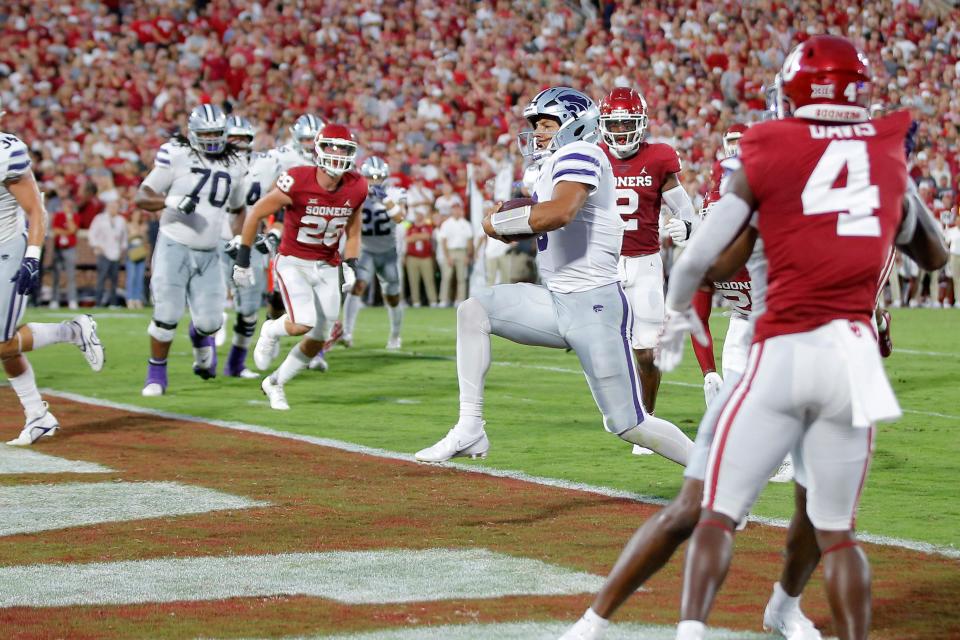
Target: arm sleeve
[(581, 163), (680, 204), (725, 221)]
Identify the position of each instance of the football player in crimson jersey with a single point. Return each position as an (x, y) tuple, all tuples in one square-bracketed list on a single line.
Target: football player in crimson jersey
[(321, 202), (647, 176), (828, 187)]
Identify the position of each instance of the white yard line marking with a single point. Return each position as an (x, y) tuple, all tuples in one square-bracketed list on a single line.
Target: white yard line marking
[(532, 631), (45, 507), (354, 577), (944, 550), (934, 354), (16, 460), (933, 414)]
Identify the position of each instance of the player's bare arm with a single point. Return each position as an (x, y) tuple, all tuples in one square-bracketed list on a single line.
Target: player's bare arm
[(24, 189), (264, 208), (352, 249), (733, 257), (148, 199), (557, 212)]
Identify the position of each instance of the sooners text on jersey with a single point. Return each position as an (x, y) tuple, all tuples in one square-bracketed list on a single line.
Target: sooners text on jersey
[(313, 224), (737, 290), (639, 180), (829, 204)]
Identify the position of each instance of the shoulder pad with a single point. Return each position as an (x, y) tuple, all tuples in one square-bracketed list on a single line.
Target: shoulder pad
[(14, 156)]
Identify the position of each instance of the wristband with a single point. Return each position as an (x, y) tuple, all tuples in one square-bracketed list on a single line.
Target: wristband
[(243, 256), (171, 201), (32, 251), (512, 221)]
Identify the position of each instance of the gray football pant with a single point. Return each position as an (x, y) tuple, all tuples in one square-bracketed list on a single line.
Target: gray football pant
[(246, 300), (12, 304), (593, 323), (385, 266), (182, 276)]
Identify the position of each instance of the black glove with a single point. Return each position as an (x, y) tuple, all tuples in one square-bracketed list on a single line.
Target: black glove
[(27, 277), (232, 247), (187, 206), (352, 263), (268, 242)]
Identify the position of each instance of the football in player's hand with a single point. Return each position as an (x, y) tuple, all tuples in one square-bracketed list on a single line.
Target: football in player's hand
[(516, 203)]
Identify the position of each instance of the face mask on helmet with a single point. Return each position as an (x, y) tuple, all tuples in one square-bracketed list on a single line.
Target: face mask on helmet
[(536, 142), (623, 132), (207, 129), (336, 152), (375, 170), (210, 142)]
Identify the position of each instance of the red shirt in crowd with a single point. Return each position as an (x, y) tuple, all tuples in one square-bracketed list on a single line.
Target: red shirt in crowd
[(420, 248), (60, 221)]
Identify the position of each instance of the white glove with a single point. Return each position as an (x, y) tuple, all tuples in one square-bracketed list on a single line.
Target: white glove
[(711, 386), (678, 230), (676, 326), (243, 276)]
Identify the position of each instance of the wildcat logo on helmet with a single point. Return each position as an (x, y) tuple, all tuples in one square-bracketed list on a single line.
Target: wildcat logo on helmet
[(575, 103)]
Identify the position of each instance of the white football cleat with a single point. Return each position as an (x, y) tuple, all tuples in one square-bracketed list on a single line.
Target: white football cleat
[(453, 445), (89, 341), (267, 349), (394, 344), (711, 386), (641, 451), (275, 394), (152, 390), (347, 340), (318, 363), (785, 471), (43, 426), (247, 374), (791, 624), (586, 630)]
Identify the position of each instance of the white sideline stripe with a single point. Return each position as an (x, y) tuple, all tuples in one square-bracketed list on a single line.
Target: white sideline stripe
[(353, 577), (16, 460), (936, 354), (931, 413), (948, 551), (45, 507), (530, 631)]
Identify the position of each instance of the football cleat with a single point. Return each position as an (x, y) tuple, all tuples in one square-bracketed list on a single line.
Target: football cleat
[(711, 386), (883, 336), (236, 367), (586, 630), (347, 340), (318, 363), (784, 471), (791, 624), (205, 362), (275, 394), (89, 341), (453, 445), (42, 426), (156, 384), (641, 451), (394, 344), (267, 349)]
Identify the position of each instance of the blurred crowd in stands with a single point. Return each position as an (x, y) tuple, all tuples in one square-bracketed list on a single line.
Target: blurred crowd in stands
[(430, 85)]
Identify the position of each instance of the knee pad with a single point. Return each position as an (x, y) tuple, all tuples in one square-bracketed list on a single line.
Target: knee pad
[(207, 326), (245, 325), (472, 311), (162, 331)]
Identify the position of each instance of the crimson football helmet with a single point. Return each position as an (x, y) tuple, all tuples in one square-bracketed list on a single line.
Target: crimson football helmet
[(825, 78), (731, 139), (336, 149), (623, 120)]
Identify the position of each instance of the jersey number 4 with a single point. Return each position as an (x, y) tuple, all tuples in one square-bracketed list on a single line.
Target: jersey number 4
[(856, 201)]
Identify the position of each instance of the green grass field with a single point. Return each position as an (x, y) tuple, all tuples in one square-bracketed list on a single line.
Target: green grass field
[(540, 416)]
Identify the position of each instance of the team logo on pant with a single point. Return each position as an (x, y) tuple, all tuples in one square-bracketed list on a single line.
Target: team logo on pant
[(597, 308)]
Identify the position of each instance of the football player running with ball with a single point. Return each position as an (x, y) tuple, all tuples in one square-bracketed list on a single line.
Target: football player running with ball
[(20, 247), (322, 200), (195, 181), (581, 305), (382, 211)]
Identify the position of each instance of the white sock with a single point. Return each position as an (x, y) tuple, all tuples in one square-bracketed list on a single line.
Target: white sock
[(396, 320), (691, 630), (275, 328), (351, 308), (781, 600), (473, 361), (295, 362), (25, 386), (662, 437), (47, 333)]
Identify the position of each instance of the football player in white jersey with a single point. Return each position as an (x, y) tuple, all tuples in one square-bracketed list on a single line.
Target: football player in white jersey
[(581, 305), (382, 210), (195, 181), (246, 301), (20, 243)]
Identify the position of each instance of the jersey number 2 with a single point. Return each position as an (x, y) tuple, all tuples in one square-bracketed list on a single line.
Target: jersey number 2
[(856, 201), (319, 230), (628, 201)]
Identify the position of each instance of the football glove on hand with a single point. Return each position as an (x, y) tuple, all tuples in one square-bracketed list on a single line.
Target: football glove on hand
[(352, 263), (185, 205), (268, 242), (232, 247), (676, 326), (243, 276), (679, 231), (378, 191), (27, 277)]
